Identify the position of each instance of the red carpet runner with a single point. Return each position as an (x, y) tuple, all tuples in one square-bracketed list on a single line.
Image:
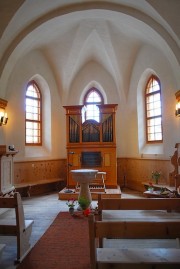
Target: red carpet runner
[(63, 246)]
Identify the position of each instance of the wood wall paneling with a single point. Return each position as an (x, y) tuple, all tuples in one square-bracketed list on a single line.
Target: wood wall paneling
[(33, 171), (131, 172)]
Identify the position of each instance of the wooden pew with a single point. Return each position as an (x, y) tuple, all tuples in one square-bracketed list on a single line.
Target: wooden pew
[(18, 227), (145, 209), (2, 246), (132, 257), (27, 189), (167, 204)]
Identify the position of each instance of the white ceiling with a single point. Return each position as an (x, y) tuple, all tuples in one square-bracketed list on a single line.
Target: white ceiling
[(72, 33)]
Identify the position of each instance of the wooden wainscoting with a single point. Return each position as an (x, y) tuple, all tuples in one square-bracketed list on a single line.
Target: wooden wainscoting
[(35, 177), (132, 172)]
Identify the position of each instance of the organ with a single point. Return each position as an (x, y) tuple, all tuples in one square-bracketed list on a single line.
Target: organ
[(92, 144)]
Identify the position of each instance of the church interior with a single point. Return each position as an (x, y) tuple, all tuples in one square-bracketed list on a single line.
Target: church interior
[(90, 86), (68, 49)]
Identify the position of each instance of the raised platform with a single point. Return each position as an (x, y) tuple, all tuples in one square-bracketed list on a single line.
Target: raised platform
[(110, 193), (159, 186)]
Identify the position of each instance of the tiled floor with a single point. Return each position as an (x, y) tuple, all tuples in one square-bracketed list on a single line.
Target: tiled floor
[(43, 210)]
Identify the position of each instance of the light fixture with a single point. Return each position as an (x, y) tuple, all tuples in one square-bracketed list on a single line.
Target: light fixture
[(177, 112), (3, 114)]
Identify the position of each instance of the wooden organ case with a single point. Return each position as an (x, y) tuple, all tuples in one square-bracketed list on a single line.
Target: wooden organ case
[(92, 144)]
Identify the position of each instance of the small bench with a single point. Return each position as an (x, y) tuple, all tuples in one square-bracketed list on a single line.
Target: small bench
[(157, 194), (98, 184), (110, 257), (18, 227), (38, 187), (160, 190)]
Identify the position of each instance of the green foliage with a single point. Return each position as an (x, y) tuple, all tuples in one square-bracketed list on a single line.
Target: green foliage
[(156, 176), (83, 202)]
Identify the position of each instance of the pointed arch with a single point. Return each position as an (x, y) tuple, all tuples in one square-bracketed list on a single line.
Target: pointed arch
[(92, 98), (33, 119), (153, 108)]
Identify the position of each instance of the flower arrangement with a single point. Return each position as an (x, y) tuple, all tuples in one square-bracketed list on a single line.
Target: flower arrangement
[(71, 203), (156, 175)]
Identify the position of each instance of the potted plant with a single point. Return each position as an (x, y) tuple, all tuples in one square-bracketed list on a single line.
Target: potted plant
[(156, 176), (71, 204), (83, 203)]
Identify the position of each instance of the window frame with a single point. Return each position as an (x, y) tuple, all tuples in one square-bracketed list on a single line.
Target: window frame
[(39, 99), (93, 89), (152, 77)]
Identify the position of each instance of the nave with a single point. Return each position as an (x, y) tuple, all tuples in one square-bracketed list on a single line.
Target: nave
[(43, 209)]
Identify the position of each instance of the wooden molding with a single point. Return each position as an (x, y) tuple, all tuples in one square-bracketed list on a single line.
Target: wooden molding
[(3, 103), (177, 94)]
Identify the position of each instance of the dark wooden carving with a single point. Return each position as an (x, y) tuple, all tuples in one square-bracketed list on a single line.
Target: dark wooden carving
[(107, 129), (73, 131), (90, 131), (175, 160)]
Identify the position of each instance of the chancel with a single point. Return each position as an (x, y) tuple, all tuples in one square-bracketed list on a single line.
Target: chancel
[(88, 85)]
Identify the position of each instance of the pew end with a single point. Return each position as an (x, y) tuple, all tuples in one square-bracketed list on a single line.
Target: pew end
[(18, 227), (134, 228), (106, 256)]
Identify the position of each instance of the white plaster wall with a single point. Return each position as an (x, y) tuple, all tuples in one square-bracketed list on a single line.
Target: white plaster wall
[(151, 60), (93, 72), (129, 120), (34, 66)]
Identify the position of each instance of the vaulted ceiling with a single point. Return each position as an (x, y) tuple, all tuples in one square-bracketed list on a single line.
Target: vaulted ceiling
[(73, 33)]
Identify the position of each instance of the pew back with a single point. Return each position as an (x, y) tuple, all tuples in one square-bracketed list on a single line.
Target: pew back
[(16, 227), (132, 230), (138, 204), (167, 204)]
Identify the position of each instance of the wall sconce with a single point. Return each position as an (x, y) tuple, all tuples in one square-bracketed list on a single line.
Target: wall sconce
[(177, 112), (3, 114)]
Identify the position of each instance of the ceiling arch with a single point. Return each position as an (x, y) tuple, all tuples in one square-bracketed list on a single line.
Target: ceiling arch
[(93, 7)]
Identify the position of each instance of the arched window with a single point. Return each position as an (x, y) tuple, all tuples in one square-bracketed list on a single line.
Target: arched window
[(92, 98), (153, 110), (33, 134)]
